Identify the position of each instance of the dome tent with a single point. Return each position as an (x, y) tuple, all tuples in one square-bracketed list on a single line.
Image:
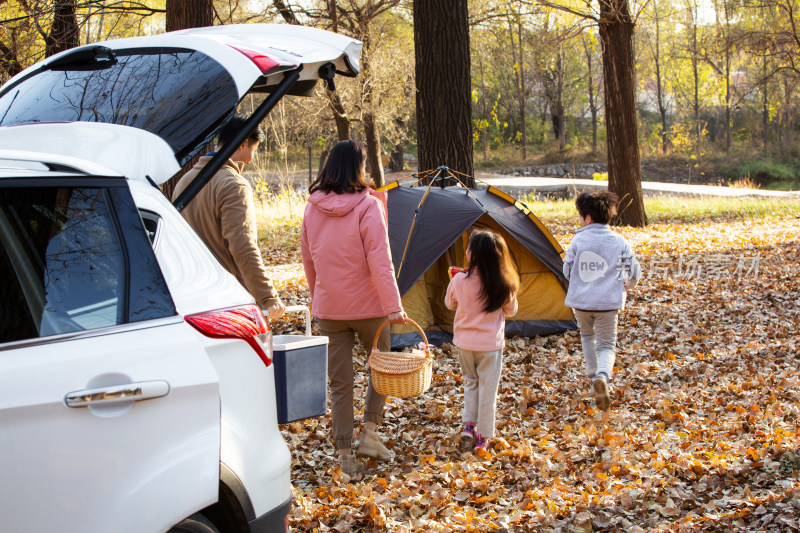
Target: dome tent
[(429, 228)]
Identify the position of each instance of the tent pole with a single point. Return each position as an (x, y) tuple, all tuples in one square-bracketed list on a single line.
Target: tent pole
[(411, 231)]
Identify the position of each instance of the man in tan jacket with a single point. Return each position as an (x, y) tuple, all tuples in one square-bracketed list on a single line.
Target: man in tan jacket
[(223, 215)]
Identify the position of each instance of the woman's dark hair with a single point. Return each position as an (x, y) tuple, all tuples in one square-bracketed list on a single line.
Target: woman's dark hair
[(601, 206), (499, 280), (234, 126), (344, 170)]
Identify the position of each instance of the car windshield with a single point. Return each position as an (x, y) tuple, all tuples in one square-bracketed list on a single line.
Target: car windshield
[(180, 95)]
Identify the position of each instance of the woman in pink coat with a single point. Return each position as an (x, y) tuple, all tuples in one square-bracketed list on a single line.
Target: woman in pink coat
[(349, 269)]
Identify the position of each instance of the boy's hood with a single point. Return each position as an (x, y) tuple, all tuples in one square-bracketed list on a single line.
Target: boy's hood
[(594, 227), (337, 205)]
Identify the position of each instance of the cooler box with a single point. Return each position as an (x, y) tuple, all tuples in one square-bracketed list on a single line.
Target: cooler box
[(301, 373)]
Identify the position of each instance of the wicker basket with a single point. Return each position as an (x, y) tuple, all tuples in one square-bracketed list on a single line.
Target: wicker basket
[(401, 374)]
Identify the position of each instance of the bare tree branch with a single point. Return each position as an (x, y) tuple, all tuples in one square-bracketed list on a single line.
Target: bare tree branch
[(566, 9), (286, 12)]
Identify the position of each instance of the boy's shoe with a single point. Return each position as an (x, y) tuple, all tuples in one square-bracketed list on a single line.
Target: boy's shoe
[(371, 446), (468, 437), (350, 464), (600, 391)]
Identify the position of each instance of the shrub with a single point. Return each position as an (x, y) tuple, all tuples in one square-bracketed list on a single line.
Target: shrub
[(762, 171)]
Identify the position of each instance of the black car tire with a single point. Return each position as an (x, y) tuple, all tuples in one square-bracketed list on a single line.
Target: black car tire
[(197, 523)]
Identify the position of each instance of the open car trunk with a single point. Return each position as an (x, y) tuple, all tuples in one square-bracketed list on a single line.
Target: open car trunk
[(179, 88)]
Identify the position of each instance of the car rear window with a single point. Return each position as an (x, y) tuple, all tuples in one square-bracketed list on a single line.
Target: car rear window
[(74, 259), (180, 95)]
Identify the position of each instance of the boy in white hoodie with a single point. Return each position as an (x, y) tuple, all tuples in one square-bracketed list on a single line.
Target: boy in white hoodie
[(600, 265)]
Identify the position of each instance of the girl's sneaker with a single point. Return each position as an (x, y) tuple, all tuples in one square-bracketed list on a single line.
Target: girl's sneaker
[(480, 443), (468, 437)]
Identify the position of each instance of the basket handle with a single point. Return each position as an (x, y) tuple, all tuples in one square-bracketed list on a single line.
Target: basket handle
[(378, 335)]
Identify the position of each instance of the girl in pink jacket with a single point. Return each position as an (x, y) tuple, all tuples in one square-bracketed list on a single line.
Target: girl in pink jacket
[(482, 296), (348, 265)]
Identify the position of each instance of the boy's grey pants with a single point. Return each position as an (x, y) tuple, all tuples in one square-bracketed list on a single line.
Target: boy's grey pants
[(599, 339), (481, 377), (341, 340)]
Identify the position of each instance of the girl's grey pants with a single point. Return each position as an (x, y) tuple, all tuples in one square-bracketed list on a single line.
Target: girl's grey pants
[(481, 377), (599, 339)]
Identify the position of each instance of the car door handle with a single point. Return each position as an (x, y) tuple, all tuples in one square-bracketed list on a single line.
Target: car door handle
[(143, 390)]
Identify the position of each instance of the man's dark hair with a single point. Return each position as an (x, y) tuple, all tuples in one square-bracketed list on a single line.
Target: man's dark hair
[(234, 126), (601, 206)]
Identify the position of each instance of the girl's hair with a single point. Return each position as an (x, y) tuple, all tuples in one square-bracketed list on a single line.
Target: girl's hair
[(499, 280), (601, 206), (344, 170)]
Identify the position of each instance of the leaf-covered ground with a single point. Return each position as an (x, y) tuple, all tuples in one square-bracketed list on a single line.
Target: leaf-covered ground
[(703, 433)]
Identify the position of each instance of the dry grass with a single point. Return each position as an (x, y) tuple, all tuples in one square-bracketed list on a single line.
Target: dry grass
[(280, 216), (279, 219)]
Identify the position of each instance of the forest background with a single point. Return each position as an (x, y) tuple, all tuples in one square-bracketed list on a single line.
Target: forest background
[(716, 80)]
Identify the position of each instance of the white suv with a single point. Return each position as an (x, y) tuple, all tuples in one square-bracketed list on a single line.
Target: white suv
[(136, 386)]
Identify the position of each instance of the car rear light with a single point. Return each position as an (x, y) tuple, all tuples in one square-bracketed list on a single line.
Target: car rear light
[(245, 322), (262, 61)]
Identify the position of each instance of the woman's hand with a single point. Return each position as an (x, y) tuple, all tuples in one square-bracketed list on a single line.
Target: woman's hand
[(399, 317)]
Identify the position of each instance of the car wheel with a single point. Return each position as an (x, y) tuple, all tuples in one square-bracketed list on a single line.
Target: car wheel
[(196, 523)]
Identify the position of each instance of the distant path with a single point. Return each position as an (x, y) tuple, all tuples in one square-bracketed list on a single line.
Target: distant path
[(518, 185)]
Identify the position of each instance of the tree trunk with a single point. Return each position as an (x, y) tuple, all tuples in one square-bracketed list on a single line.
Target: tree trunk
[(287, 13), (183, 14), (727, 109), (662, 107), (728, 59), (788, 105), (396, 162), (100, 25), (543, 111), (562, 138), (371, 134), (554, 93), (624, 167), (592, 99), (693, 50), (339, 115), (323, 157), (64, 33), (521, 96), (373, 149), (559, 125), (765, 116), (484, 128), (444, 116)]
